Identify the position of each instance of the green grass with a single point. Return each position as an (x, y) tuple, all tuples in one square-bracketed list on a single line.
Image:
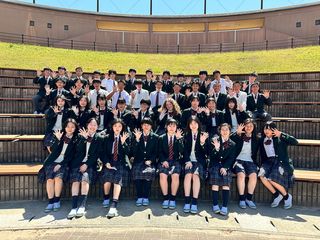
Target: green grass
[(286, 60)]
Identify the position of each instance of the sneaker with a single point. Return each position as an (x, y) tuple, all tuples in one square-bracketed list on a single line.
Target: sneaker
[(145, 202), (288, 202), (56, 206), (165, 204), (276, 201), (49, 208), (113, 212), (242, 204), (216, 209), (172, 204), (194, 209), (81, 212), (72, 213), (35, 112), (106, 203), (186, 208), (251, 204), (139, 202), (224, 211)]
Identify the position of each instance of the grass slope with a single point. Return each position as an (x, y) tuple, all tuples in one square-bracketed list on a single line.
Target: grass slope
[(285, 60)]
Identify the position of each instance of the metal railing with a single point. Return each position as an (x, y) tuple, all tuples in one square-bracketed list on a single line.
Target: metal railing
[(177, 49)]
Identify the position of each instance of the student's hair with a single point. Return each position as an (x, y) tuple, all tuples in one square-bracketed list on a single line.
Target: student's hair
[(146, 121), (88, 103), (210, 99), (237, 82), (248, 121), (193, 98), (166, 72), (232, 99), (256, 83), (74, 122), (118, 120), (63, 98), (79, 68), (111, 71), (193, 119), (77, 80), (171, 121), (92, 119), (268, 125), (101, 97), (224, 125), (176, 107)]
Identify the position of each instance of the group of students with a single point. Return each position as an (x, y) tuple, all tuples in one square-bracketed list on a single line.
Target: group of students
[(194, 130)]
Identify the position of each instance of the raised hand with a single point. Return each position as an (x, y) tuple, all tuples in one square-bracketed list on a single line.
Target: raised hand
[(179, 134), (203, 137), (216, 144), (223, 171), (240, 129), (124, 137), (132, 94), (241, 107), (39, 73), (73, 91), (188, 92), (137, 133), (95, 109), (244, 85), (75, 110), (266, 93), (90, 80), (126, 77), (115, 112), (56, 109), (48, 90), (58, 134), (84, 133), (276, 132)]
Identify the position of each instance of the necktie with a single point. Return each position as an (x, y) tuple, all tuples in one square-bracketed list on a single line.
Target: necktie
[(139, 91), (212, 115), (176, 96), (102, 112), (115, 149), (193, 112), (89, 139), (59, 92), (157, 99), (171, 149), (145, 138), (246, 138), (217, 95), (225, 145), (268, 142), (195, 137), (237, 95), (119, 95), (66, 140)]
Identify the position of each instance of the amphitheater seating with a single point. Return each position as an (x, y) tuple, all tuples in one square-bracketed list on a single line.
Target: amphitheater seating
[(295, 109)]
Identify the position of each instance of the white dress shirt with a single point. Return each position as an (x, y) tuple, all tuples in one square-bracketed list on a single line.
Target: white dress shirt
[(93, 94), (224, 85), (241, 98), (269, 148), (108, 84), (144, 94), (153, 97), (124, 94)]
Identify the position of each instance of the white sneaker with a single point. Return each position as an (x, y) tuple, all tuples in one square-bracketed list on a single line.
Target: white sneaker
[(276, 201), (288, 202), (113, 212), (80, 212), (72, 213)]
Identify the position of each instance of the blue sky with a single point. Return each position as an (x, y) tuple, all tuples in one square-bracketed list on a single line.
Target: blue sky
[(169, 7)]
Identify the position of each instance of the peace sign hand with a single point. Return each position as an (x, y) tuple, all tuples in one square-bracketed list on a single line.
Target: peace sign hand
[(58, 134)]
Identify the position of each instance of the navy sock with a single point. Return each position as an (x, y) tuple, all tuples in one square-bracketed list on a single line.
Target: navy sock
[(275, 195), (139, 188), (242, 197), (194, 201), (187, 200), (249, 196), (165, 197), (114, 203), (83, 200), (172, 197), (56, 199), (146, 188), (51, 200), (215, 197), (74, 202), (285, 197), (225, 197), (106, 196)]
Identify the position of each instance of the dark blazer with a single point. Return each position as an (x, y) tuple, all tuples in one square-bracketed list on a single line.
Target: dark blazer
[(126, 117), (204, 89), (42, 83), (239, 144), (219, 116), (108, 117), (83, 118), (241, 116), (200, 151), (150, 86), (136, 123), (129, 86), (75, 98), (142, 153), (95, 151), (252, 106), (51, 117), (56, 149), (161, 124), (123, 151), (181, 100), (168, 87), (225, 157), (187, 113), (221, 102), (54, 93), (281, 150), (163, 148)]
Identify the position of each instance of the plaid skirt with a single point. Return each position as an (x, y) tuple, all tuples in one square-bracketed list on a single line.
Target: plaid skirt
[(274, 171), (119, 176), (140, 171), (174, 168), (245, 167), (46, 172), (77, 176), (48, 139), (215, 178), (197, 168)]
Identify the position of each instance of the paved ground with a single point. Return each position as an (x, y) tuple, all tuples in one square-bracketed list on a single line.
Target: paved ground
[(26, 220)]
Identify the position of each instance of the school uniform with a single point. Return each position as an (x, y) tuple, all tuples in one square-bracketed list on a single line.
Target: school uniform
[(120, 94), (50, 99), (234, 118), (40, 96), (241, 98), (88, 151), (146, 149), (224, 85), (136, 122), (255, 106), (93, 95), (246, 154), (221, 100), (195, 153), (83, 80), (55, 122), (223, 158), (139, 95), (115, 153), (130, 86), (75, 98), (82, 117), (203, 88), (161, 123), (104, 117), (189, 112), (213, 121), (201, 96), (157, 99), (108, 84), (180, 99), (150, 86), (168, 86), (170, 150), (275, 163), (62, 152)]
